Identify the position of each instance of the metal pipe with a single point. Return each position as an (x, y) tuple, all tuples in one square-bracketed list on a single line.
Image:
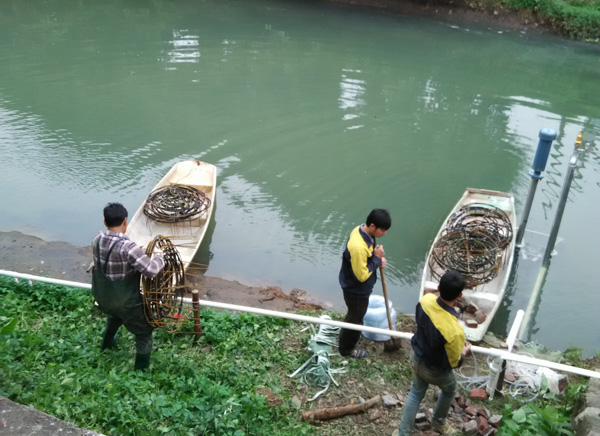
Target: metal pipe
[(45, 279), (293, 316), (526, 210), (573, 162), (476, 349), (497, 365), (539, 164), (514, 330), (537, 289)]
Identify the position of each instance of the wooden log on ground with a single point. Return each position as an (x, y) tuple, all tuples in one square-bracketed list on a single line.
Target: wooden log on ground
[(336, 412)]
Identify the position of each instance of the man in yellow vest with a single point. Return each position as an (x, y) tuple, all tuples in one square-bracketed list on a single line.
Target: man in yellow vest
[(358, 274), (439, 346)]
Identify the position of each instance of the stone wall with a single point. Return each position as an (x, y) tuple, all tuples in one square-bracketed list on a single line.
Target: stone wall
[(586, 417)]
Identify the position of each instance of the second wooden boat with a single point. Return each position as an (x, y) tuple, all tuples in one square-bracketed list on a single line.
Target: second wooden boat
[(477, 239)]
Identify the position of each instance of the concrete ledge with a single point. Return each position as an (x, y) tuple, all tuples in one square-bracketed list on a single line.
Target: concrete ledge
[(19, 420)]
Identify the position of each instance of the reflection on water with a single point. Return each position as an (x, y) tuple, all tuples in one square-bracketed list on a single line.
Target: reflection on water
[(185, 48), (313, 116), (350, 101)]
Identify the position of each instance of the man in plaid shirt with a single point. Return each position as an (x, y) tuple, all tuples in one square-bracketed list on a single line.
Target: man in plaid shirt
[(118, 263)]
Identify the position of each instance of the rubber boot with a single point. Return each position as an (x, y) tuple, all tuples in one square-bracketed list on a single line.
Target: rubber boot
[(109, 340), (142, 361)]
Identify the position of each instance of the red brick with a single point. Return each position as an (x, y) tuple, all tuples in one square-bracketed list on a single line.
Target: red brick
[(562, 383), (482, 422), (478, 394), (470, 428), (472, 410), (471, 308), (471, 323), (480, 317)]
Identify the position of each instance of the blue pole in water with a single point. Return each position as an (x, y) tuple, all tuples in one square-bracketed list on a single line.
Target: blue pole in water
[(539, 164)]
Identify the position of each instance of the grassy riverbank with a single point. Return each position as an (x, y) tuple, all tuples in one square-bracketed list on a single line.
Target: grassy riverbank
[(577, 19), (235, 381)]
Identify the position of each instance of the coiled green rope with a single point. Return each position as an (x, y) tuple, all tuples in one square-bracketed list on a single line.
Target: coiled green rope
[(317, 369)]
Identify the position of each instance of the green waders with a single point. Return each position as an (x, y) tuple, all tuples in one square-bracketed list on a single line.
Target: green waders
[(122, 302)]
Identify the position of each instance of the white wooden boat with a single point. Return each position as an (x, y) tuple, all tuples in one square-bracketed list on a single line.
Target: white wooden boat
[(186, 235), (478, 239)]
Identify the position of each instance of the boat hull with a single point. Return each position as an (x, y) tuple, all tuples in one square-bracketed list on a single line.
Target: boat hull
[(186, 235), (486, 296)]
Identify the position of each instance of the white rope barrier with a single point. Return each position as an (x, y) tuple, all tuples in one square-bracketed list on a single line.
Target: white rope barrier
[(503, 354)]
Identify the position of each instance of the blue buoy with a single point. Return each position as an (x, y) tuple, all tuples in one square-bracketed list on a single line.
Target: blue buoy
[(543, 151)]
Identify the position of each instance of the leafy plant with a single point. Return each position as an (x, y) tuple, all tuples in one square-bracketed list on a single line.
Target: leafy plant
[(50, 359), (531, 420), (573, 355), (548, 416)]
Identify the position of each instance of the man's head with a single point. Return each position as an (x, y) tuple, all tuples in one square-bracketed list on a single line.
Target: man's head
[(114, 214), (451, 285), (378, 222)]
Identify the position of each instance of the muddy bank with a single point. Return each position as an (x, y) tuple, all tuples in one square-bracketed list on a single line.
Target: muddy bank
[(484, 13), (60, 260)]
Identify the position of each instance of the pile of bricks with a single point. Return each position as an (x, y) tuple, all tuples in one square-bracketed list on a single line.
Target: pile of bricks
[(473, 420), (478, 421)]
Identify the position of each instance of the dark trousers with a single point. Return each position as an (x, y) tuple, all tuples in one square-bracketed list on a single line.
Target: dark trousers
[(357, 308), (136, 323)]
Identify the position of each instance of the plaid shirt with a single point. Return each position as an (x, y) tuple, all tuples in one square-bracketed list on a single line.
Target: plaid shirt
[(125, 258)]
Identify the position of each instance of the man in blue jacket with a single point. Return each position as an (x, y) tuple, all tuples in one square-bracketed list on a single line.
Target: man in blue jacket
[(438, 346), (358, 275)]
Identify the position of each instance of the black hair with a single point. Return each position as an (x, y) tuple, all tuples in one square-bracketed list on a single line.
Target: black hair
[(114, 214), (381, 218), (451, 285)]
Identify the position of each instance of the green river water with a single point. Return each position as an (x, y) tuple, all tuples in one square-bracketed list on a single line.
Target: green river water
[(314, 114)]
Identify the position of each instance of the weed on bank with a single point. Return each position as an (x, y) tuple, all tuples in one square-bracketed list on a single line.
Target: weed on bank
[(50, 359)]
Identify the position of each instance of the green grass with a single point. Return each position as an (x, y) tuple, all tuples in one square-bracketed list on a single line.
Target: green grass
[(50, 359), (579, 19)]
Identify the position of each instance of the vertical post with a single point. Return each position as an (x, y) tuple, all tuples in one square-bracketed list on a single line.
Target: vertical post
[(498, 365), (196, 310), (537, 289), (563, 200), (539, 164)]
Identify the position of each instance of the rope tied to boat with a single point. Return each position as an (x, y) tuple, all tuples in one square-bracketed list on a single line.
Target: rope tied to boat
[(176, 203), (473, 243)]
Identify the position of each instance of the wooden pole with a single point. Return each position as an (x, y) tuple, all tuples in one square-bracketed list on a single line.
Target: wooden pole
[(196, 309), (335, 412)]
